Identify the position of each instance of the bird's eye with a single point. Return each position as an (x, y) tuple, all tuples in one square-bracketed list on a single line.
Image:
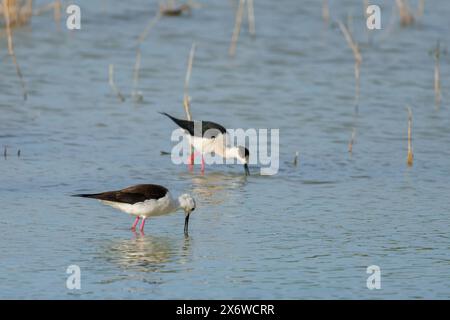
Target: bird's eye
[(192, 209)]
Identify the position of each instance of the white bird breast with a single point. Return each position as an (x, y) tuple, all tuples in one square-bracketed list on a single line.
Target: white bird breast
[(206, 145), (148, 208)]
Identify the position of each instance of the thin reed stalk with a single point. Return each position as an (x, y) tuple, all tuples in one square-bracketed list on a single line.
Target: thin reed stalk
[(296, 158), (57, 12), (356, 55), (7, 4), (113, 85), (410, 156), (352, 141), (136, 94), (186, 97), (26, 12), (326, 12), (149, 27), (406, 17), (237, 28), (437, 76), (251, 18)]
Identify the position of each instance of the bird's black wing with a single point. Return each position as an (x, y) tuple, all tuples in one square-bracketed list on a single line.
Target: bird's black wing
[(131, 195), (189, 126)]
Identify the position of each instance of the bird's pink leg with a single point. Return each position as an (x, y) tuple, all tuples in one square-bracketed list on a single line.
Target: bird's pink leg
[(142, 225), (203, 165), (133, 227)]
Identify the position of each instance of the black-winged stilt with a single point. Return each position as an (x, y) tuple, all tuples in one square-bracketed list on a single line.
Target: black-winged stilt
[(144, 201), (213, 142)]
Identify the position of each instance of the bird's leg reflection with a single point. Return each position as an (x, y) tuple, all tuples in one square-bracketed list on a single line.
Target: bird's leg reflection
[(147, 253)]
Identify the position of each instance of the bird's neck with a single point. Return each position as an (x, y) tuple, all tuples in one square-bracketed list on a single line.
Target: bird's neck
[(175, 204)]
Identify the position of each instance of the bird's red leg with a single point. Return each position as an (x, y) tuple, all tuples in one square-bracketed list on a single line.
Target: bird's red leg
[(203, 165), (133, 227), (142, 225)]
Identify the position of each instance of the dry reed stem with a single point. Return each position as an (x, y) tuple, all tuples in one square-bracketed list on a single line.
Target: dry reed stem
[(251, 18), (437, 76), (357, 79), (356, 54), (57, 12), (137, 67), (326, 12), (186, 97), (409, 159), (113, 85), (352, 141), (6, 7), (25, 12), (237, 28), (136, 95), (149, 27), (351, 43), (406, 18)]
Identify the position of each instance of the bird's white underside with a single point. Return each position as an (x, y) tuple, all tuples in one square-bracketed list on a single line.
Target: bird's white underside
[(206, 145), (148, 208)]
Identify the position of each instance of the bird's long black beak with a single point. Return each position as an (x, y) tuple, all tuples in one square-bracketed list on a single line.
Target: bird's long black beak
[(247, 171), (186, 224)]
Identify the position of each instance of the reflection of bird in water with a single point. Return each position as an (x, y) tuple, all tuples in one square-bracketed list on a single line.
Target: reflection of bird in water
[(215, 187), (147, 253)]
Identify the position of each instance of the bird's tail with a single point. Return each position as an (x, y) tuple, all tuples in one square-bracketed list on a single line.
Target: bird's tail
[(184, 124), (170, 117)]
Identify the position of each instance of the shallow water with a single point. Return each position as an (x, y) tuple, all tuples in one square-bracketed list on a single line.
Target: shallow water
[(308, 232)]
